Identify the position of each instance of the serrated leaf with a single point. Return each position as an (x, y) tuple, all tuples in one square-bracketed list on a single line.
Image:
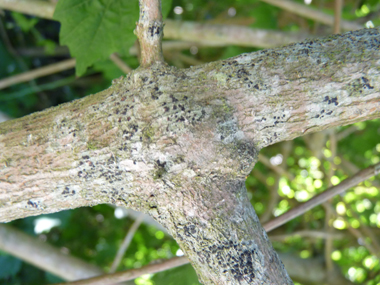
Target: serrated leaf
[(93, 29)]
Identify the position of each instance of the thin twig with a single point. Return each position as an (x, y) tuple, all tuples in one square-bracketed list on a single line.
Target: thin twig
[(278, 169), (310, 13), (149, 31), (346, 132), (203, 34), (337, 15), (228, 34), (330, 214), (44, 255), (308, 234), (131, 274), (120, 63), (324, 196), (127, 240), (42, 9), (39, 72)]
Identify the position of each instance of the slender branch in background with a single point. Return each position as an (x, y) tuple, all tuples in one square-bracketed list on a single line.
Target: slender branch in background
[(42, 9), (166, 46), (346, 132), (44, 101), (202, 34), (131, 274), (189, 60), (329, 214), (38, 72), (310, 13), (228, 34), (120, 63), (264, 160), (44, 256), (308, 234), (286, 147), (323, 197), (127, 240), (337, 15), (43, 87), (149, 31), (55, 68)]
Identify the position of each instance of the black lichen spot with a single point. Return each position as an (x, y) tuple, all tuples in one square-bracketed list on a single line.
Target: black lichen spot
[(173, 98), (366, 84), (85, 157), (329, 100), (34, 205), (66, 191)]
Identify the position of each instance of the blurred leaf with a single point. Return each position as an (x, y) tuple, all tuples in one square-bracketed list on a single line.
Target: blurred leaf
[(9, 266), (26, 24)]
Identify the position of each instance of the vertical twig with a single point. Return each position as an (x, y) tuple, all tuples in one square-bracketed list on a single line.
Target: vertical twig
[(330, 214), (337, 15), (127, 240), (149, 31)]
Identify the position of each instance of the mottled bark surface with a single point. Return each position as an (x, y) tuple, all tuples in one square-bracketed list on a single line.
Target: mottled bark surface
[(177, 144)]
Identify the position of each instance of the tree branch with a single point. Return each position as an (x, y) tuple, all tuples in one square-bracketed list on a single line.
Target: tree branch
[(310, 13), (323, 197), (127, 240), (44, 255), (228, 34), (149, 31), (177, 144), (204, 34), (131, 274), (38, 72)]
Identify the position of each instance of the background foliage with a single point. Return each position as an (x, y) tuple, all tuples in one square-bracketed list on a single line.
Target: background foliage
[(93, 30)]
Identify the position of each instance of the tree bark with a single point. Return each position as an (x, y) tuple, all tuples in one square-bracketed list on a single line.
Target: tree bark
[(177, 144)]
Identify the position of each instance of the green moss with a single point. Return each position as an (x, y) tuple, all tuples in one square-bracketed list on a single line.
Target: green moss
[(92, 146), (148, 133)]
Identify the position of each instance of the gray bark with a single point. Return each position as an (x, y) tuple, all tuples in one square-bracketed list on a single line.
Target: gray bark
[(177, 144)]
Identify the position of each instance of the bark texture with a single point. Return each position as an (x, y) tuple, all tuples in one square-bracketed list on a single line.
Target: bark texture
[(177, 144)]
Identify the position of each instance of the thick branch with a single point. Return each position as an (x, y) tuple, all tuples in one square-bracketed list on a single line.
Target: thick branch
[(44, 255), (177, 144)]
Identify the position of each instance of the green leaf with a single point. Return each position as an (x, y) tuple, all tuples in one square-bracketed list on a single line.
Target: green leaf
[(93, 29), (23, 22), (9, 266), (166, 5)]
